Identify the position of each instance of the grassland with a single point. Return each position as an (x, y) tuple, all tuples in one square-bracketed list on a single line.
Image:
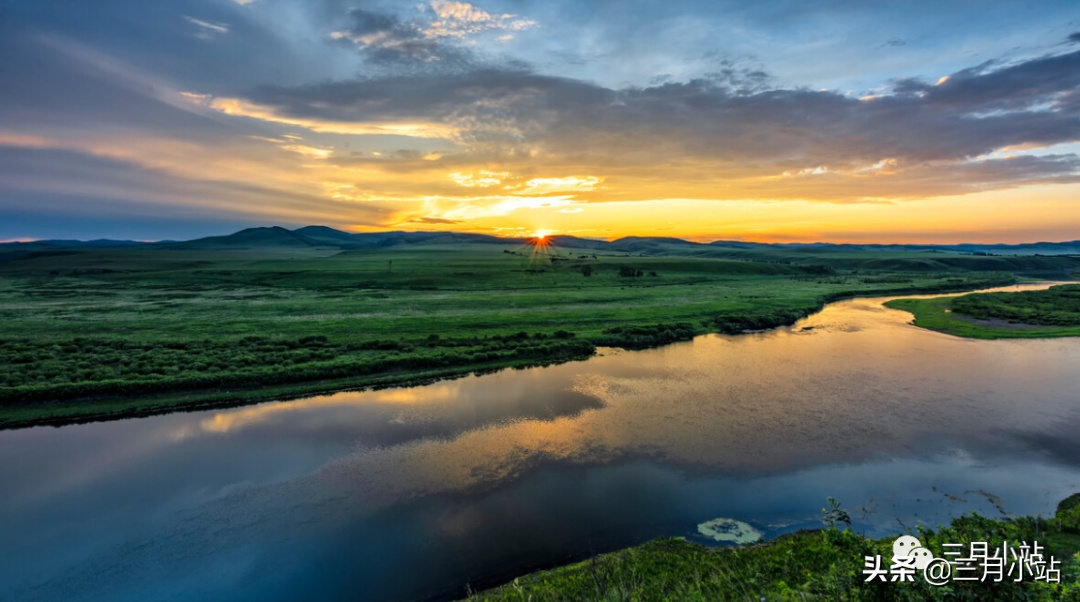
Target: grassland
[(100, 333), (808, 565), (1054, 312)]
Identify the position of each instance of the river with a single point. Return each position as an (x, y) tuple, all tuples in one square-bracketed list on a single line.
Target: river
[(411, 493)]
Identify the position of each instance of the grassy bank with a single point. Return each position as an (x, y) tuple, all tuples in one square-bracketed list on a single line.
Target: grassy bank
[(113, 408), (109, 333), (1054, 312), (808, 565)]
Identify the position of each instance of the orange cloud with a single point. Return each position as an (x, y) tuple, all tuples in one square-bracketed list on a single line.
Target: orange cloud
[(242, 108), (461, 19)]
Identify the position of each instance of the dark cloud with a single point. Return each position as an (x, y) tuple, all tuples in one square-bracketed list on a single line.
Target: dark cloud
[(1009, 88), (367, 23), (1074, 37), (389, 42), (487, 104), (910, 85), (386, 38)]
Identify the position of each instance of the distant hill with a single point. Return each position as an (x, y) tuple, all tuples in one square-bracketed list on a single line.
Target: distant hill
[(12, 251), (43, 245), (274, 236), (330, 238)]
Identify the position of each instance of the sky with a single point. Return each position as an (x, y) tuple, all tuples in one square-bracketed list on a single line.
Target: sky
[(772, 121)]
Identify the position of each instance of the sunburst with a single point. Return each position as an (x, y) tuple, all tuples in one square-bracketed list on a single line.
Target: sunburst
[(542, 248)]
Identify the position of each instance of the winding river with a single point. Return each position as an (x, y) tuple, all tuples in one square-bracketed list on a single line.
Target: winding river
[(411, 493)]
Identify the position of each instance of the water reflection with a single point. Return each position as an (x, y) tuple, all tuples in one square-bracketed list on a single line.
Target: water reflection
[(844, 385), (396, 415), (351, 495)]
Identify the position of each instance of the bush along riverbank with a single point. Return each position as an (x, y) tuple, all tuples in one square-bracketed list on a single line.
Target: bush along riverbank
[(116, 368), (832, 564)]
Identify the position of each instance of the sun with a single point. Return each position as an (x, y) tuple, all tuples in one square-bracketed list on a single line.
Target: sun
[(541, 248)]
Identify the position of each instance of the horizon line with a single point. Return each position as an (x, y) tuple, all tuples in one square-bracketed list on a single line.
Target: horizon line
[(547, 234)]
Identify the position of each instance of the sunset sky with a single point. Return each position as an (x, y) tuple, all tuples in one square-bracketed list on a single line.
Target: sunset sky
[(773, 121)]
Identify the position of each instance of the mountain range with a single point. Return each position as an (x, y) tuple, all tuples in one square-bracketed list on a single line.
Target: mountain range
[(326, 237)]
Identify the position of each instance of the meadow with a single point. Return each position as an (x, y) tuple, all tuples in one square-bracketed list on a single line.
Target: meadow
[(1054, 312), (96, 333)]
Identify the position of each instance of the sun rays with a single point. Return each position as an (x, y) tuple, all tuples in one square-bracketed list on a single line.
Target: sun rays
[(541, 250)]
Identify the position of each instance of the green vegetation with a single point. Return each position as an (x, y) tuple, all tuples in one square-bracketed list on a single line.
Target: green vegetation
[(1054, 312), (1035, 266), (807, 565), (93, 368), (116, 332), (1068, 513), (1056, 306)]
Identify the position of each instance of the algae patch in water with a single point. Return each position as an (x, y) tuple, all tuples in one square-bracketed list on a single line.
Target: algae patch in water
[(729, 530)]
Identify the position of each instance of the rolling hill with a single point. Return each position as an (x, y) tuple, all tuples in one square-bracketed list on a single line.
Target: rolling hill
[(1045, 258)]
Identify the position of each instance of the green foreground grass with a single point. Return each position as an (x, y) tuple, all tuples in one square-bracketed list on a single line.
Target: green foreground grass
[(1054, 312), (110, 333), (807, 565)]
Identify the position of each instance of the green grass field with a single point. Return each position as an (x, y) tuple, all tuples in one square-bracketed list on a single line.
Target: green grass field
[(807, 565), (125, 331), (1054, 312)]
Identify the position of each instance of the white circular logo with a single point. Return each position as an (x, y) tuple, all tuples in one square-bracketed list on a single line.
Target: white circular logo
[(903, 546)]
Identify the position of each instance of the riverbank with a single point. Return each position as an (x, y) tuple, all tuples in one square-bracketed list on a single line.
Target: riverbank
[(1002, 315), (59, 413), (818, 565), (76, 380)]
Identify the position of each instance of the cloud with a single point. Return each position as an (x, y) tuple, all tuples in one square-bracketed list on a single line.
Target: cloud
[(207, 30), (418, 106), (461, 20), (55, 182), (568, 184), (1017, 87), (433, 220), (387, 37), (308, 151), (1074, 37), (440, 38), (481, 105), (239, 107), (916, 180), (719, 138), (483, 179), (419, 44)]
